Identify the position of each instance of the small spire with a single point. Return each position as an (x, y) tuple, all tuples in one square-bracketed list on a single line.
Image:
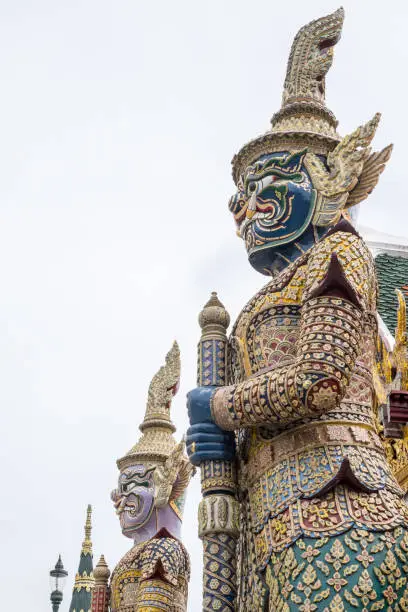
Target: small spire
[(59, 564), (87, 543), (101, 591), (214, 317), (214, 301), (84, 578), (101, 572)]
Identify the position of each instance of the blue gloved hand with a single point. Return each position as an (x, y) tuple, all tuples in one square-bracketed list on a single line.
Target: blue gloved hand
[(205, 440), (198, 405)]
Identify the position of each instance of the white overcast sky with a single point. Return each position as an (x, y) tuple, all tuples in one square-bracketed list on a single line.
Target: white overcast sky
[(118, 121)]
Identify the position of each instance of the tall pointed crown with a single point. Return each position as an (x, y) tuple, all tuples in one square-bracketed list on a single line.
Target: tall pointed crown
[(157, 441), (303, 120)]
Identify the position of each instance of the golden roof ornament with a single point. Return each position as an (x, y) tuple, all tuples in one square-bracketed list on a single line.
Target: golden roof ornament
[(157, 441), (87, 543)]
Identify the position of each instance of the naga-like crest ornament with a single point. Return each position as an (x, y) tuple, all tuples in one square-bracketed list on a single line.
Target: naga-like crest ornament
[(157, 441)]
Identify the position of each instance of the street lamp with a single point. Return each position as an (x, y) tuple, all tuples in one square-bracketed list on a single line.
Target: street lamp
[(58, 577)]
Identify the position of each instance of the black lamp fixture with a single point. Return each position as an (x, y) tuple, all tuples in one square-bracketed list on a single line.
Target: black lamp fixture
[(58, 577)]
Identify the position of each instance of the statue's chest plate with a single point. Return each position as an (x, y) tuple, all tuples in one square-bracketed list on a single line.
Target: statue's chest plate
[(272, 336), (267, 329), (269, 340)]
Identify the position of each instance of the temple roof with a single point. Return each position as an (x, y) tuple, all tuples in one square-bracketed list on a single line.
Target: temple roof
[(392, 273), (84, 579), (380, 242), (391, 262)]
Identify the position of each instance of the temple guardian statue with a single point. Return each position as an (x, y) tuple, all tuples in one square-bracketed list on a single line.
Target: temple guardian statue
[(285, 422), (154, 474)]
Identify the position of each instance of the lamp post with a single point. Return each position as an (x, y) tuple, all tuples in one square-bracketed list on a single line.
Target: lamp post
[(57, 581)]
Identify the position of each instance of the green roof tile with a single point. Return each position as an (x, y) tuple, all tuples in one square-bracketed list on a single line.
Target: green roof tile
[(392, 273)]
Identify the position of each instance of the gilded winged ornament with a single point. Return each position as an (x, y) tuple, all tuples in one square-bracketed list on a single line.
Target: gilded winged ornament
[(172, 478), (350, 175)]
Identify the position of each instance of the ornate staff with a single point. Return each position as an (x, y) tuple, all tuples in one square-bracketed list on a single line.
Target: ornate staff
[(218, 514)]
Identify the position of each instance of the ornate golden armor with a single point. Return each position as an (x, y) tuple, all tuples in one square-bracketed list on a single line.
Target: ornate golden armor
[(312, 464), (152, 576)]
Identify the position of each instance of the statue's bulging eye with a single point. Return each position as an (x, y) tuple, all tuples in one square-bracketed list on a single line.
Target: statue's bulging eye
[(251, 187), (131, 485)]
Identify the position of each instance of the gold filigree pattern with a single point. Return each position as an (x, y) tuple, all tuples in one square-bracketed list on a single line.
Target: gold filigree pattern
[(155, 571), (316, 469), (84, 581)]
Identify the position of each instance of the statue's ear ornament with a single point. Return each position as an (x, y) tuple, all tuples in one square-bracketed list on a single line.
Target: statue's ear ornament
[(351, 174), (369, 176), (172, 478)]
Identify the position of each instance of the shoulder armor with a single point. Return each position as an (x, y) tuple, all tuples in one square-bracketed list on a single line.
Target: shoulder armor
[(353, 258), (335, 283), (166, 557)]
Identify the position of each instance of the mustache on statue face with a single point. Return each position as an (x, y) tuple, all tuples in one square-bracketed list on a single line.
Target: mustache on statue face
[(255, 192), (272, 211), (122, 503)]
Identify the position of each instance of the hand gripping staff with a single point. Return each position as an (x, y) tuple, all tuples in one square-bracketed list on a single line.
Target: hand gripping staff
[(218, 514)]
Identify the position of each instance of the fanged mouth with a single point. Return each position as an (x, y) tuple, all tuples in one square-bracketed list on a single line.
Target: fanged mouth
[(131, 507), (134, 507), (265, 219)]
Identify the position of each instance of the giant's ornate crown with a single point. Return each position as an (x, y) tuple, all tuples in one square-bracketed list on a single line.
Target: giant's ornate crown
[(157, 445), (304, 122)]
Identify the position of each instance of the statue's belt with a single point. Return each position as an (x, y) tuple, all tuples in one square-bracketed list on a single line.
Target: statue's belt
[(265, 454)]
